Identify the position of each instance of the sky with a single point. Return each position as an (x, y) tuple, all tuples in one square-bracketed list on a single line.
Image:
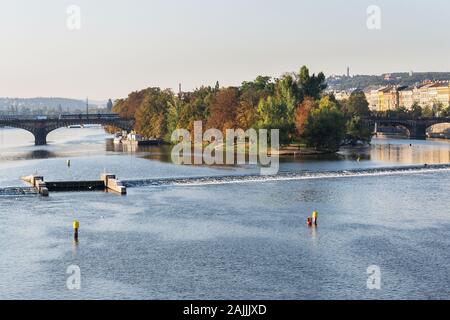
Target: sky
[(127, 45)]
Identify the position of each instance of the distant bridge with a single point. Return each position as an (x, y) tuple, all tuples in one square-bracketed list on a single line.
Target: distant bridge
[(417, 127), (41, 126)]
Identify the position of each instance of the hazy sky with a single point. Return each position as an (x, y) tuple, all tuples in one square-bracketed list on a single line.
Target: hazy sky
[(125, 45)]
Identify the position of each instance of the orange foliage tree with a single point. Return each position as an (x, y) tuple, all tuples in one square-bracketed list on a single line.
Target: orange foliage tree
[(302, 114), (223, 109)]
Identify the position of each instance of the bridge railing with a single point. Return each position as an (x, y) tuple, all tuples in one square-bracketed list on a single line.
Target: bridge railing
[(400, 118), (100, 116), (93, 116)]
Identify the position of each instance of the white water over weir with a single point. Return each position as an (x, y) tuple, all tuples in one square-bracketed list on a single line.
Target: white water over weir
[(286, 176), (236, 179)]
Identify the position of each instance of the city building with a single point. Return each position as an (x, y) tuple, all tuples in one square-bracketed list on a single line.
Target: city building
[(109, 105), (383, 99), (342, 95), (427, 94)]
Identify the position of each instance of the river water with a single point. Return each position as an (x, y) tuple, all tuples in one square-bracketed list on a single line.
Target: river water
[(186, 232)]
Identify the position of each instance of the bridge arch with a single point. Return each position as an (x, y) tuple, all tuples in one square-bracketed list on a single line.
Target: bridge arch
[(417, 127), (39, 134), (444, 126), (40, 128), (407, 127)]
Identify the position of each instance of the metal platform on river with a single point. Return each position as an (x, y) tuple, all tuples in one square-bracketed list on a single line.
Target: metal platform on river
[(107, 182)]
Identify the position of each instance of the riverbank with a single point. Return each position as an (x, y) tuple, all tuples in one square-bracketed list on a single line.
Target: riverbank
[(299, 150)]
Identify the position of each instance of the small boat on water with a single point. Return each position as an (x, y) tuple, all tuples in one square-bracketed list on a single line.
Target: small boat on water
[(118, 138), (133, 139), (138, 140)]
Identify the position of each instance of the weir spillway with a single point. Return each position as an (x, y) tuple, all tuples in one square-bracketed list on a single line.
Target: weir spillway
[(109, 182)]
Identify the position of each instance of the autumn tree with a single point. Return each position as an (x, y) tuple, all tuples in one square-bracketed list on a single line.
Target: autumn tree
[(222, 113), (251, 93), (195, 106), (151, 117), (127, 108), (302, 115)]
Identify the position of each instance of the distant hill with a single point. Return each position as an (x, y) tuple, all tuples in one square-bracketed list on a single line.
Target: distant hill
[(48, 104), (398, 78)]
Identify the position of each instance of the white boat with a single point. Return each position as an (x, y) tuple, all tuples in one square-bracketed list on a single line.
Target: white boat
[(118, 138), (139, 140)]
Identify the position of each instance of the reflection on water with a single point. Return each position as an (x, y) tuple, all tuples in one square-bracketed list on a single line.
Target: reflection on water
[(213, 238), (30, 155), (432, 152), (17, 145), (158, 153), (396, 151)]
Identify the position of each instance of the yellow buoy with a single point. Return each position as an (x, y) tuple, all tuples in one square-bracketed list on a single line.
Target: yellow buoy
[(76, 226), (314, 218)]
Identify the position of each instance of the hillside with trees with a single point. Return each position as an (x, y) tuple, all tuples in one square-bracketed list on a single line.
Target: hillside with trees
[(400, 78), (45, 106)]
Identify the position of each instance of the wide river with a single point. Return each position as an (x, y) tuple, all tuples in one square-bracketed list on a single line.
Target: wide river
[(186, 232)]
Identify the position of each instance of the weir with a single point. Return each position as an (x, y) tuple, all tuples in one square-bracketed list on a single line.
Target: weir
[(287, 176), (107, 182)]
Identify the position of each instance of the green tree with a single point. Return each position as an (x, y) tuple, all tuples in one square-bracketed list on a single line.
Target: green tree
[(325, 128), (151, 116), (439, 110), (402, 112), (251, 93), (445, 112), (272, 114), (174, 111), (286, 92), (262, 84), (310, 86), (357, 104), (356, 131), (195, 107), (427, 112), (277, 111), (416, 111)]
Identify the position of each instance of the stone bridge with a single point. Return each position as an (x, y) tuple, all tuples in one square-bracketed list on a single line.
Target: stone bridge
[(417, 127), (41, 126)]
